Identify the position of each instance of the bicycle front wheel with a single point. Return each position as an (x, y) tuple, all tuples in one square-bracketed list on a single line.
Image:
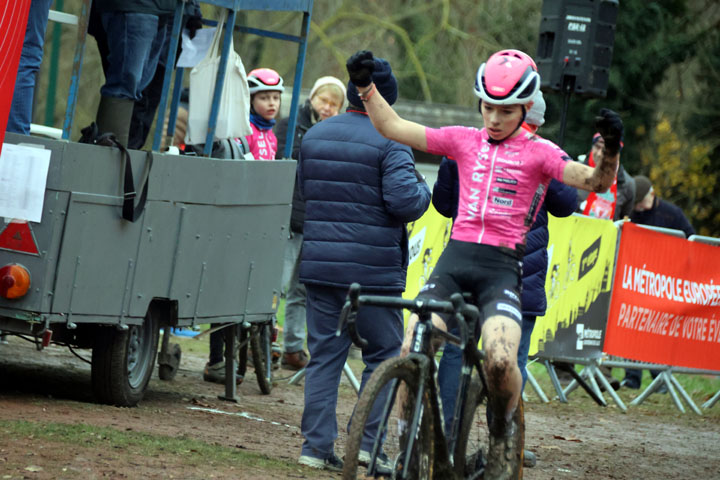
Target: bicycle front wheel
[(381, 427)]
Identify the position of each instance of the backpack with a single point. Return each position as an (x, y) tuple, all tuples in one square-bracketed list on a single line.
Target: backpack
[(225, 148)]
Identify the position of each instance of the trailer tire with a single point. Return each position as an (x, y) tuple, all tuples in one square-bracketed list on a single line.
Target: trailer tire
[(123, 362)]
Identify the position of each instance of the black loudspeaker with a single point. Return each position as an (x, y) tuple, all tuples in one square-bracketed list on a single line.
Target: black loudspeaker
[(576, 44)]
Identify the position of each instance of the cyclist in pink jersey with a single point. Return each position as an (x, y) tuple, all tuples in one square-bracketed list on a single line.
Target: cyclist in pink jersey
[(504, 172)]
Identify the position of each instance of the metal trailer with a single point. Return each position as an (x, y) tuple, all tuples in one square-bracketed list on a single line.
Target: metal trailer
[(208, 248)]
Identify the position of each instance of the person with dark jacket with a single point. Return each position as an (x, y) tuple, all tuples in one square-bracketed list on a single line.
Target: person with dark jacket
[(561, 201), (653, 210), (360, 190), (326, 99)]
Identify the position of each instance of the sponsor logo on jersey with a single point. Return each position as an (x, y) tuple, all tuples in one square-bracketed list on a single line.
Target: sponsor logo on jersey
[(504, 190), (517, 163), (502, 213), (505, 202), (508, 181)]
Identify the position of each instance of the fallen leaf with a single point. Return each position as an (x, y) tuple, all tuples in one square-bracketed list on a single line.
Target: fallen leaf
[(33, 468)]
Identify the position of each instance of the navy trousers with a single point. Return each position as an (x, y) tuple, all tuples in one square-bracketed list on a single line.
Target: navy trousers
[(381, 327)]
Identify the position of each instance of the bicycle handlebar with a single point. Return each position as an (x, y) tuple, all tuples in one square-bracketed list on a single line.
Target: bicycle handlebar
[(464, 313)]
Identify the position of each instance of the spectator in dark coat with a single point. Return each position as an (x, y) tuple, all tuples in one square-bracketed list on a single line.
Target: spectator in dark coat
[(652, 210), (359, 189), (325, 100), (561, 201)]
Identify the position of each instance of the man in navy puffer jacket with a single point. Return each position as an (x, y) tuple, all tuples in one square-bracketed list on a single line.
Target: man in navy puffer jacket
[(359, 189), (561, 201)]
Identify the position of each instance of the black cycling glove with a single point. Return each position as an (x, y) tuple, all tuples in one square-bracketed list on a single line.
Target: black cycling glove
[(610, 126), (360, 68)]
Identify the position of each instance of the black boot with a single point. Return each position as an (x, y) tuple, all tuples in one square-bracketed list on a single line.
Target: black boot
[(114, 116)]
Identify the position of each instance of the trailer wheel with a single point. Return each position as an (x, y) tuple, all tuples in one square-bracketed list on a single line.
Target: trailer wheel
[(169, 368), (123, 361)]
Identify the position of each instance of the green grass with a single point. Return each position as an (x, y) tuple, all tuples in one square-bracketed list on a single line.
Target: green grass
[(187, 450)]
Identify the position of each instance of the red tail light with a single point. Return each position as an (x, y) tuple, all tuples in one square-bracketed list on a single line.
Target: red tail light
[(14, 281)]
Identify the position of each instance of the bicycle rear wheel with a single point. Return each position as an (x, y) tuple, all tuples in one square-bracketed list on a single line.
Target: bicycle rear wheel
[(472, 442), (261, 346), (473, 438), (394, 379)]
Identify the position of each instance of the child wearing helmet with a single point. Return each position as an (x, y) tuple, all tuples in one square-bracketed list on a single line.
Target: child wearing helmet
[(266, 88), (504, 171)]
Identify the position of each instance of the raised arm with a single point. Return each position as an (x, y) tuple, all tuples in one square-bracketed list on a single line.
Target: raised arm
[(600, 178), (386, 121)]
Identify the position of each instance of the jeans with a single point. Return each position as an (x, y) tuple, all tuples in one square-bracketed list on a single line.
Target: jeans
[(135, 42), (451, 363), (383, 329), (30, 59), (294, 328)]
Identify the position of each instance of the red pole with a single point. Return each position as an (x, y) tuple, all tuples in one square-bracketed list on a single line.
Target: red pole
[(13, 21)]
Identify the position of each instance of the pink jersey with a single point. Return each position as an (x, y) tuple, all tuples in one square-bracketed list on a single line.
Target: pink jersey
[(262, 143), (501, 186)]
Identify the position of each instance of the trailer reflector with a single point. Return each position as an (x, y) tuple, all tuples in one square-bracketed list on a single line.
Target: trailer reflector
[(14, 281), (18, 237)]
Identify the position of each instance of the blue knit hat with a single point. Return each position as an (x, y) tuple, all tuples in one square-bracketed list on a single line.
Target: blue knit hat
[(384, 81)]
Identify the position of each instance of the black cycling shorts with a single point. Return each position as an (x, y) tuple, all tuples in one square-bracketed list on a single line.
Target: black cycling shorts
[(492, 275)]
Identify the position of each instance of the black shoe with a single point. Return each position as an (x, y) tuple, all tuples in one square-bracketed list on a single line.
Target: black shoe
[(627, 383)]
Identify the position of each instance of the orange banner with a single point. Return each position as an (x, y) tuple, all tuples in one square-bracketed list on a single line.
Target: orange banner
[(665, 304), (13, 20)]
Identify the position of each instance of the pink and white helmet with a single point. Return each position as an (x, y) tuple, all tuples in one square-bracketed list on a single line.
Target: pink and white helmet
[(265, 80), (508, 77)]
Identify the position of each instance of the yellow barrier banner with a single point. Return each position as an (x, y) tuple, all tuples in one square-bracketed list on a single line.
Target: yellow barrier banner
[(581, 257), (427, 238)]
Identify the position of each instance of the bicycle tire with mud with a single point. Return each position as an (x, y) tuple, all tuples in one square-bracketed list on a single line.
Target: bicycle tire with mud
[(421, 463)]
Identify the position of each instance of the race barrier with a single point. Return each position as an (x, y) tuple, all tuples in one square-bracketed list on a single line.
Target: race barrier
[(649, 324), (619, 295)]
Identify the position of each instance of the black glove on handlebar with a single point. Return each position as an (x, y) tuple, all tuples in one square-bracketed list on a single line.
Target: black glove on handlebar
[(610, 126), (360, 67)]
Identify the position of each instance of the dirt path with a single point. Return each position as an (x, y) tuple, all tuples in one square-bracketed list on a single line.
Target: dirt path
[(260, 434)]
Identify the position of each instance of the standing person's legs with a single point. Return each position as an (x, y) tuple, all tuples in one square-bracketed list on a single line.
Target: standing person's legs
[(30, 60), (528, 324), (322, 375), (145, 108), (449, 380), (131, 38), (295, 307), (383, 329)]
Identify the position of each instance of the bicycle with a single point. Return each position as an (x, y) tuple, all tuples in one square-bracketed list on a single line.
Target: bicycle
[(251, 341), (410, 441)]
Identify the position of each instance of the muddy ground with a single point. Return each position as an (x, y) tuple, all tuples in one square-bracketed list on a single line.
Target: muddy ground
[(45, 395)]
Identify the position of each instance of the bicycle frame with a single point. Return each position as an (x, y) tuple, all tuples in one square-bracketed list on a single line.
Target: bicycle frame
[(421, 352)]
